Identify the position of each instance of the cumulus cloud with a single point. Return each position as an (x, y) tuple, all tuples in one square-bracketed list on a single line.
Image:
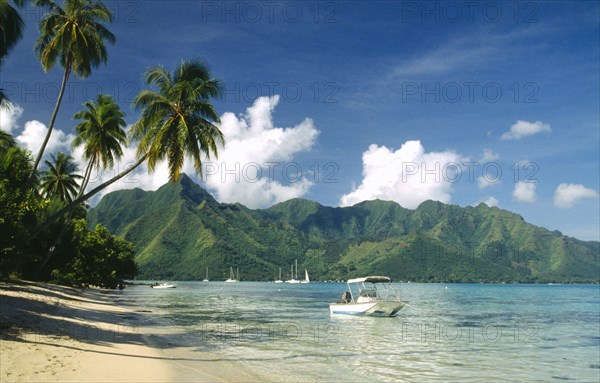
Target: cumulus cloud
[(249, 167), (33, 134), (409, 175), (256, 165), (489, 156), (138, 178), (487, 180), (525, 192), (567, 195), (525, 128), (491, 202), (9, 116)]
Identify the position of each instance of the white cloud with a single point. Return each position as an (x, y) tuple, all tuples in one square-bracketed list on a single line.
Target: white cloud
[(465, 52), (489, 156), (491, 202), (255, 156), (138, 178), (567, 195), (9, 116), (525, 192), (246, 170), (408, 175), (525, 128), (484, 182), (455, 54), (33, 135)]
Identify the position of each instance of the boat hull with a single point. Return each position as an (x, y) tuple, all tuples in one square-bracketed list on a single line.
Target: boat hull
[(380, 308)]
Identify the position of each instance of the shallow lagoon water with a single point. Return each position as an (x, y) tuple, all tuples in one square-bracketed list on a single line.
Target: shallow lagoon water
[(448, 332)]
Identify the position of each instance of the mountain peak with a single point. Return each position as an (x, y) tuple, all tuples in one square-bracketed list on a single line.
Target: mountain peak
[(180, 229), (193, 191)]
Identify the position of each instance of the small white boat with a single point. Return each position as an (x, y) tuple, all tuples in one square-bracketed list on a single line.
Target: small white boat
[(372, 295), (163, 286), (279, 280), (232, 277), (294, 279), (206, 278), (306, 279)]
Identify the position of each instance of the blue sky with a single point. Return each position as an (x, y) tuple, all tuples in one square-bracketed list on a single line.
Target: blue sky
[(340, 102)]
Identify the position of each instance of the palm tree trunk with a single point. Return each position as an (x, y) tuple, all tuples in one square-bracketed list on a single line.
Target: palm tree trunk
[(86, 196), (52, 120), (53, 247), (59, 238), (86, 177)]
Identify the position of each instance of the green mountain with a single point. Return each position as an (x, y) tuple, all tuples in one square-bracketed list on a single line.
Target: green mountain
[(180, 229)]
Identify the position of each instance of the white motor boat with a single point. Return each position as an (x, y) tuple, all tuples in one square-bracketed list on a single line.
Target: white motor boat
[(163, 286), (372, 295)]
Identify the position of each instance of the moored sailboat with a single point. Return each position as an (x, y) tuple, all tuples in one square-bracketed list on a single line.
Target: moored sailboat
[(232, 277), (279, 280), (293, 279)]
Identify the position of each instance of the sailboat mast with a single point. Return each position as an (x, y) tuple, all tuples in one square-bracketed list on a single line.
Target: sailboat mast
[(296, 269)]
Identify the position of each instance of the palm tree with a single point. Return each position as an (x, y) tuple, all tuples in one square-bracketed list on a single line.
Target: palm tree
[(11, 31), (7, 141), (176, 121), (75, 36), (11, 26), (59, 180), (101, 132)]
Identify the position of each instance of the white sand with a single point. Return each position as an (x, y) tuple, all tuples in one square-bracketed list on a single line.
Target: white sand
[(51, 333)]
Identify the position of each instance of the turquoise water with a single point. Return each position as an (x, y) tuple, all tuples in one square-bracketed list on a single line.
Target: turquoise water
[(447, 333)]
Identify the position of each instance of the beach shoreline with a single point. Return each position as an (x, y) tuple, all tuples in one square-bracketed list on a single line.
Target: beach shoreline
[(51, 333)]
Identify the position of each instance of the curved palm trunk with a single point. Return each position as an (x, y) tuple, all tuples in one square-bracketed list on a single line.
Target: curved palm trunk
[(86, 196), (52, 119), (61, 235), (86, 177), (57, 242)]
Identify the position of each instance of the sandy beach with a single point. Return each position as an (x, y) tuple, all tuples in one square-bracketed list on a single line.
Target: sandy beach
[(51, 333)]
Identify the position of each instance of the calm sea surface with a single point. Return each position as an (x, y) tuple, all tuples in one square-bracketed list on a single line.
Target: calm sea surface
[(448, 333)]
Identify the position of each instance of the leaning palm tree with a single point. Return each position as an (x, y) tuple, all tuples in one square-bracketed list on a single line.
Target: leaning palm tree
[(177, 120), (75, 36), (59, 180), (101, 134)]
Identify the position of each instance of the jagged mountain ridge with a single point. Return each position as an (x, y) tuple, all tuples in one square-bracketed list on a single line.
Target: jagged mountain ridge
[(180, 229)]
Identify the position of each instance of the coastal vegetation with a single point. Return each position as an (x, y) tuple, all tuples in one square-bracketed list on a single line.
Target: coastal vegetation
[(43, 217)]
